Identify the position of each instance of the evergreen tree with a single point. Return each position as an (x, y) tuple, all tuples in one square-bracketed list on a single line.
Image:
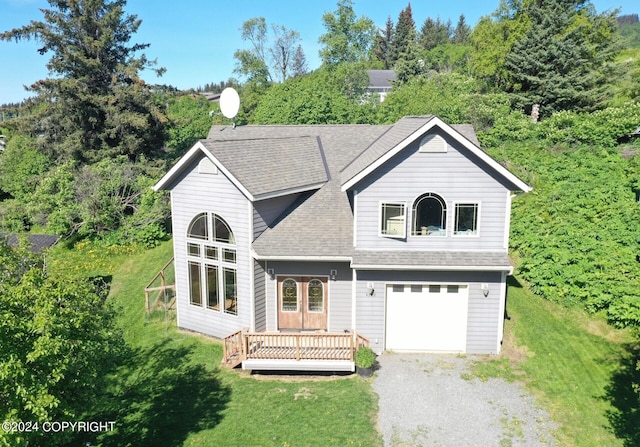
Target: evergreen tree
[(382, 48), (563, 61), (462, 31), (403, 35), (299, 65), (96, 106), (434, 33)]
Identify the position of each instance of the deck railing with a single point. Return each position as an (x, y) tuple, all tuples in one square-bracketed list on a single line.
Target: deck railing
[(243, 345)]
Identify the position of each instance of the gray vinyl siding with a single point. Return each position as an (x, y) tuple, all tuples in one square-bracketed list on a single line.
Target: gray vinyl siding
[(191, 194), (260, 309), (339, 290), (267, 212), (484, 314), (456, 175)]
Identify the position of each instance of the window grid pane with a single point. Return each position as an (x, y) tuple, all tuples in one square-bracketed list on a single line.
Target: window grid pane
[(229, 255), (212, 288), (393, 219), (434, 288), (230, 292), (195, 283), (289, 295), (211, 253), (199, 228), (315, 296), (193, 250), (466, 219)]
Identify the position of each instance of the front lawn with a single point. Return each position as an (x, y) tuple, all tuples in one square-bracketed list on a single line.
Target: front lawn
[(172, 391)]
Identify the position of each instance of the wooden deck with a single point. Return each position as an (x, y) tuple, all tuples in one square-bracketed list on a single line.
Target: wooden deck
[(302, 351)]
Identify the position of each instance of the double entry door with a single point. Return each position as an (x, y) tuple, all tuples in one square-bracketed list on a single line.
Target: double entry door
[(302, 302)]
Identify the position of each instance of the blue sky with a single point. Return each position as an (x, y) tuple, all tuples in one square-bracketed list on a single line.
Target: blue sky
[(195, 39)]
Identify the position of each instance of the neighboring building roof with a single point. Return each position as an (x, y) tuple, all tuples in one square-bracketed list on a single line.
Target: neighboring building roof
[(37, 242), (381, 78)]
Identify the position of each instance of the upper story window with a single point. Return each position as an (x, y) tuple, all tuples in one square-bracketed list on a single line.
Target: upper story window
[(466, 219), (429, 216), (393, 221), (211, 254)]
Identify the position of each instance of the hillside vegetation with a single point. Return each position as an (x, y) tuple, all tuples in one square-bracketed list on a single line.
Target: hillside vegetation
[(552, 88)]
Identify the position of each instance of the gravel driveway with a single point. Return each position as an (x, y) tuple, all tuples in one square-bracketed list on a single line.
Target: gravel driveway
[(434, 400)]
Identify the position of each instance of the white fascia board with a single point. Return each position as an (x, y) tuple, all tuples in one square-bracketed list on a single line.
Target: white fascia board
[(439, 268), (188, 158), (299, 258), (433, 122)]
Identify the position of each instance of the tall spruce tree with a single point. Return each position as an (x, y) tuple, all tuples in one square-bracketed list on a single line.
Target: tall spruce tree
[(563, 61), (382, 47), (95, 105), (434, 33), (404, 34)]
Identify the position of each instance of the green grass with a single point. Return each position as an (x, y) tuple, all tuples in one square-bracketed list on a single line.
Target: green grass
[(581, 369), (171, 390)]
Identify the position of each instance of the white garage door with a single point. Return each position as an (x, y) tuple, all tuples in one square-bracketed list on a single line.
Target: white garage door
[(426, 317)]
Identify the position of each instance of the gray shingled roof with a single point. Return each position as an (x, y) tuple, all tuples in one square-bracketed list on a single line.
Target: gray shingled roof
[(37, 242), (431, 259), (381, 78), (269, 165)]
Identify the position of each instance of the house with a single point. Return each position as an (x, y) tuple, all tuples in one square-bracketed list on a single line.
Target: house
[(380, 82), (397, 233)]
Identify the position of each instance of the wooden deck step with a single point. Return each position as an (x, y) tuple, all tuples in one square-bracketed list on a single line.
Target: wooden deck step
[(298, 365)]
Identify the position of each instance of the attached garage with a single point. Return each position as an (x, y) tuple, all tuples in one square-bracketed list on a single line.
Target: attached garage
[(426, 317)]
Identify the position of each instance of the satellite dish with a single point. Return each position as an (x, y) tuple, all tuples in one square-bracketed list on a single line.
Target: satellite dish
[(229, 102)]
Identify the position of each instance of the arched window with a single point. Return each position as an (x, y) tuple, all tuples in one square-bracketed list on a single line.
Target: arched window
[(289, 295), (429, 216), (211, 256), (315, 296)]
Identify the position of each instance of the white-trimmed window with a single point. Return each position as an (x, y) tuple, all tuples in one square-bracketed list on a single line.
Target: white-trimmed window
[(466, 219), (429, 216), (211, 254), (393, 219)]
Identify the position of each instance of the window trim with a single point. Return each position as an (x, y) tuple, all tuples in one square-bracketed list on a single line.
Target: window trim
[(383, 203), (455, 218), (444, 219)]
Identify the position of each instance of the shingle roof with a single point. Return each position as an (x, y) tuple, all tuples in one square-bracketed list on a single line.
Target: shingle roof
[(269, 165), (37, 242), (432, 259), (381, 78)]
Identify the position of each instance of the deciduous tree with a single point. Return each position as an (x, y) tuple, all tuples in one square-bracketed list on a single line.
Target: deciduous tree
[(59, 341), (347, 39)]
